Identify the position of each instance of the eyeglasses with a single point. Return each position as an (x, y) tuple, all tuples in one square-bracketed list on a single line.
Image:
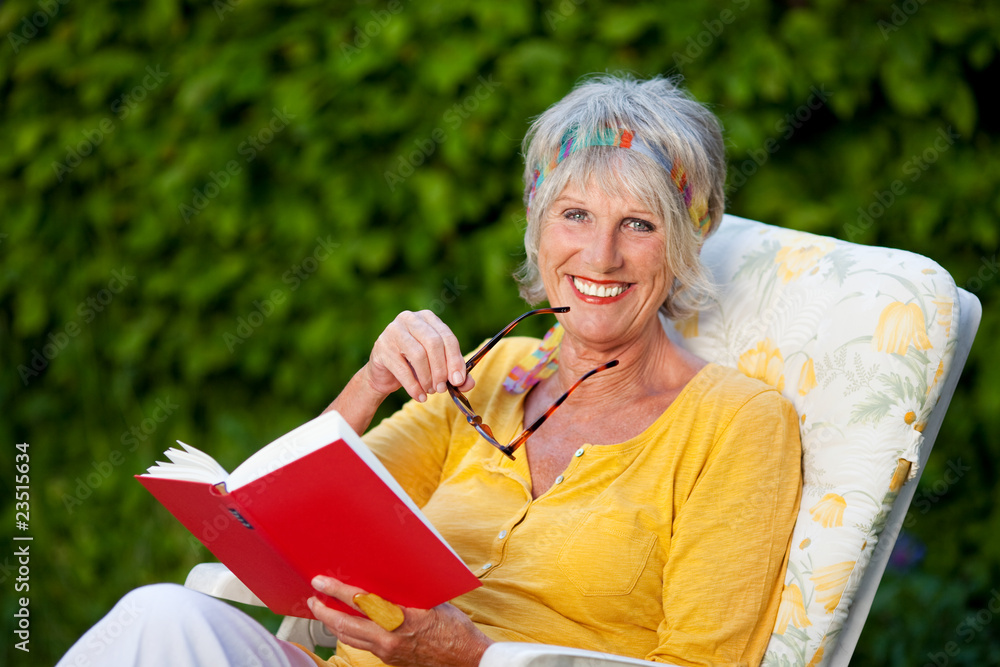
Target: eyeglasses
[(477, 422)]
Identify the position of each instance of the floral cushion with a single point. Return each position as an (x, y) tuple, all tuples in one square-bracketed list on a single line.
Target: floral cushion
[(858, 338)]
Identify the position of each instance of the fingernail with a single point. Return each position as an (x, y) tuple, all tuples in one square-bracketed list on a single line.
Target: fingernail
[(442, 387), (311, 602), (456, 378), (421, 398), (319, 583)]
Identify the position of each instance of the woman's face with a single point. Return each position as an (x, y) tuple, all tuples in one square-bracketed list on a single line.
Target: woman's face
[(604, 257)]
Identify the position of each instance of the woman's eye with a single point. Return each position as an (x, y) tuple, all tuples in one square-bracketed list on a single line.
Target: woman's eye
[(575, 214), (639, 225)]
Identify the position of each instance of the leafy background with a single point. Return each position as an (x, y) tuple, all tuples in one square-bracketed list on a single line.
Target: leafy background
[(387, 145)]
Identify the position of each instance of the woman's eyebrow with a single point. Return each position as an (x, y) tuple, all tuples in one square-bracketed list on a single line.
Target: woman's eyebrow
[(567, 199)]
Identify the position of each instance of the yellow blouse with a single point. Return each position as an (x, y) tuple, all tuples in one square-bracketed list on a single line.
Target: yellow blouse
[(669, 547)]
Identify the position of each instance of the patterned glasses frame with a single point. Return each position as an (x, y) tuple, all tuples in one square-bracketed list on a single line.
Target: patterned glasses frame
[(477, 422)]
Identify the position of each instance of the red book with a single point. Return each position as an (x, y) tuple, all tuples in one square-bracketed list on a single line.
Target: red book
[(314, 501)]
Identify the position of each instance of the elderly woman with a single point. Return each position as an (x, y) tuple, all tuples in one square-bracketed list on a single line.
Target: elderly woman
[(621, 524)]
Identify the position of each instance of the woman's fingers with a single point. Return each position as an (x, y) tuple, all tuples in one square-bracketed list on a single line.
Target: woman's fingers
[(418, 352), (450, 364), (360, 630), (413, 352), (337, 589), (386, 614), (439, 636), (353, 630), (364, 633)]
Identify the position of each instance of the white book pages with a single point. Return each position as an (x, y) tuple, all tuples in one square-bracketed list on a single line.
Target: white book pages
[(189, 464)]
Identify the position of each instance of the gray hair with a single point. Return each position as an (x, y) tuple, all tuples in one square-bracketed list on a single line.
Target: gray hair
[(670, 122)]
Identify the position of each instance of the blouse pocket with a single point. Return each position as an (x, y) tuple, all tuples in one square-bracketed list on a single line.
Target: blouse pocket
[(604, 556)]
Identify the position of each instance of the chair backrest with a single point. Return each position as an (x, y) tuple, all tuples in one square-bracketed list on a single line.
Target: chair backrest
[(865, 342)]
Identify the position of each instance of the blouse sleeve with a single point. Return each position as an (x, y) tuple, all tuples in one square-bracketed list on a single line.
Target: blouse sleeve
[(729, 540), (413, 444)]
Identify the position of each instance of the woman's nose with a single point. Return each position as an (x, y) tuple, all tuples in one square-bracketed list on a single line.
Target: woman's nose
[(603, 254)]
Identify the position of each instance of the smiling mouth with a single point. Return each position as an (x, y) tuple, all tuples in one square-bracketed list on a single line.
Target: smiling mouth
[(601, 290)]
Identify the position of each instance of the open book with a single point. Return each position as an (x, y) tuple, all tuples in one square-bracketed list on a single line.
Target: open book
[(314, 501)]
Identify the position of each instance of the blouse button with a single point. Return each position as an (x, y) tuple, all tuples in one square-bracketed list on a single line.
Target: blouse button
[(578, 453), (487, 566), (559, 479), (503, 534)]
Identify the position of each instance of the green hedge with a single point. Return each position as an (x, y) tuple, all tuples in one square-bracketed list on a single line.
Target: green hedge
[(210, 210)]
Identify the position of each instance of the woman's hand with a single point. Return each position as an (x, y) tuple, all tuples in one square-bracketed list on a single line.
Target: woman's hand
[(438, 637), (419, 353)]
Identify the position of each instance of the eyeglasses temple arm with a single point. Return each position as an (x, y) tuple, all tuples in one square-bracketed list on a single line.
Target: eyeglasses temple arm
[(471, 363), (509, 449)]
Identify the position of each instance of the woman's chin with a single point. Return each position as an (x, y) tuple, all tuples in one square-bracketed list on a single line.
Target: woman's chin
[(602, 332)]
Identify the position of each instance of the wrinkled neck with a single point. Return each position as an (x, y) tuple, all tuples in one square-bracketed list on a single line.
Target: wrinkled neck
[(647, 364)]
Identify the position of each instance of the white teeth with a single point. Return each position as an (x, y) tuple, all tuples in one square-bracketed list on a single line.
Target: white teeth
[(594, 289)]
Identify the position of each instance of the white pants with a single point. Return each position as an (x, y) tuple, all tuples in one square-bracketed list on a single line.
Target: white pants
[(166, 625)]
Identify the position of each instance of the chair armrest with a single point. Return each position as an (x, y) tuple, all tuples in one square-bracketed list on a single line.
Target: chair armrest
[(307, 632), (216, 580), (510, 654)]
